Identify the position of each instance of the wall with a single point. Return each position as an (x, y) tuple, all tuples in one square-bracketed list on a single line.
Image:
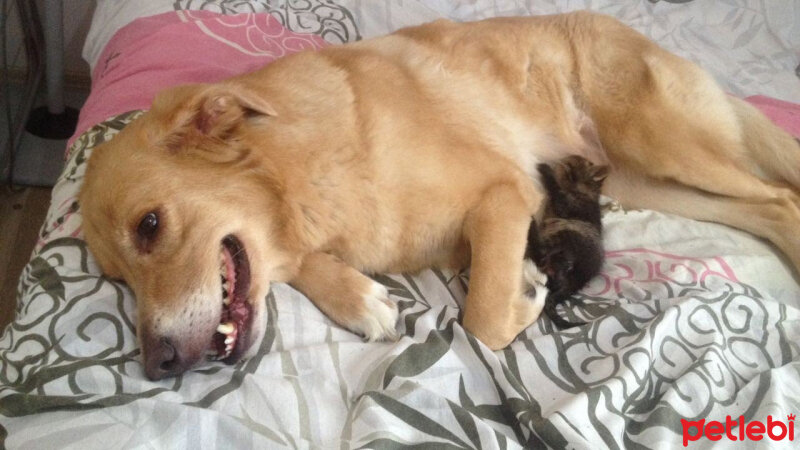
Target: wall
[(77, 18)]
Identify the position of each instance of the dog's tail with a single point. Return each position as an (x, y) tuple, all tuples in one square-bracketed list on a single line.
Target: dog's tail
[(773, 151)]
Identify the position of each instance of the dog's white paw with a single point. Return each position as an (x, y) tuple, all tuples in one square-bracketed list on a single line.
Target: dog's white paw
[(534, 284), (532, 275), (380, 315)]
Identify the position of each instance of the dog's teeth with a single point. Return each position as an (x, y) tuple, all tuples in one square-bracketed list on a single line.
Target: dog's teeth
[(226, 328), (228, 341), (226, 294)]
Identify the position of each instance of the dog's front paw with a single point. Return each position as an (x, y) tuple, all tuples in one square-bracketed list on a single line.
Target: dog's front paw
[(379, 315), (534, 284)]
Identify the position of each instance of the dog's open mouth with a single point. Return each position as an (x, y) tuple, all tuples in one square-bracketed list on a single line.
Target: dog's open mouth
[(232, 335)]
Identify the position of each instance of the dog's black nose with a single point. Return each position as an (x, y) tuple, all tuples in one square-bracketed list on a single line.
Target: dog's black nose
[(161, 359)]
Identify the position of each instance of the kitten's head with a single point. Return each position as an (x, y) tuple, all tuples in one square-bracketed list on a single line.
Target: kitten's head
[(576, 173), (571, 255)]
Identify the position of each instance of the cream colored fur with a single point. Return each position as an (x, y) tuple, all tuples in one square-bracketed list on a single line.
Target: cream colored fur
[(414, 150)]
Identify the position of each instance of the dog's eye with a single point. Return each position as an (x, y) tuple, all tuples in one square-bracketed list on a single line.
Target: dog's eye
[(148, 226)]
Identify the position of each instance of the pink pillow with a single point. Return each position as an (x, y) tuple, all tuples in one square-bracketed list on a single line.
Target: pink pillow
[(156, 52), (786, 115)]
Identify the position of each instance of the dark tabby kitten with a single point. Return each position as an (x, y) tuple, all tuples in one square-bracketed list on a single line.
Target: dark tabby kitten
[(568, 245)]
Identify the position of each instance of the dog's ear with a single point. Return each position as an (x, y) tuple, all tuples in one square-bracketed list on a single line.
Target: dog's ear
[(193, 114), (221, 108)]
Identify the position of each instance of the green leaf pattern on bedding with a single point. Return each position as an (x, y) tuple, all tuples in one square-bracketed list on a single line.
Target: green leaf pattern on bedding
[(330, 21)]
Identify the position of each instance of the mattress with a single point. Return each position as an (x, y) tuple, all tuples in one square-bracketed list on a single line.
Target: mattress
[(688, 323)]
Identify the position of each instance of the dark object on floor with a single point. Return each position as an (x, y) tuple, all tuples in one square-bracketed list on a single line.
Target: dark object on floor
[(46, 125)]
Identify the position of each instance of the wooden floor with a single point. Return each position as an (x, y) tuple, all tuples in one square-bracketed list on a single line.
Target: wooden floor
[(21, 216)]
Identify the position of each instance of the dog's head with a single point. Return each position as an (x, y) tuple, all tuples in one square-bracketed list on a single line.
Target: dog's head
[(180, 207)]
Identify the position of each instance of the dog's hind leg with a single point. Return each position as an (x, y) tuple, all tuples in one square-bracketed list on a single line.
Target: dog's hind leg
[(684, 128), (347, 296), (775, 219), (716, 161), (774, 153), (722, 177), (694, 151), (498, 307)]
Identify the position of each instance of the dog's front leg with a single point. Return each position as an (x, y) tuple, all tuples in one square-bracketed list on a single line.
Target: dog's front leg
[(347, 296), (497, 307)]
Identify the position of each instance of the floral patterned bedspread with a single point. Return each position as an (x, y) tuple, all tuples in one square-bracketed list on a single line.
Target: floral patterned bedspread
[(688, 321)]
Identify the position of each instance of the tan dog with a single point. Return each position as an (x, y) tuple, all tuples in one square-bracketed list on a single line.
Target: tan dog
[(412, 150)]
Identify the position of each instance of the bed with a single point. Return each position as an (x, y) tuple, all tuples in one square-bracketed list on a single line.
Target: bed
[(688, 321)]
